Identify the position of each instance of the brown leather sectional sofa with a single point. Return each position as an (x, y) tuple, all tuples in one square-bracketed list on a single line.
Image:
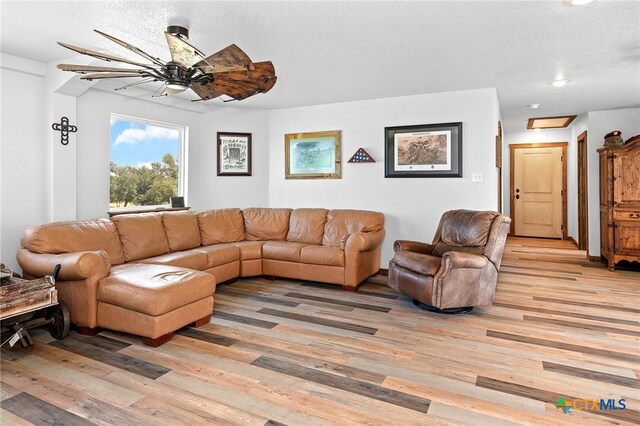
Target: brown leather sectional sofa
[(150, 274)]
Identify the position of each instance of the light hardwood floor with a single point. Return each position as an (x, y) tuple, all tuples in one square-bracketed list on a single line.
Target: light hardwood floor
[(295, 353)]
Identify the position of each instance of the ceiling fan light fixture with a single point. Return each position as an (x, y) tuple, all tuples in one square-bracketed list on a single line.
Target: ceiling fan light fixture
[(178, 85)]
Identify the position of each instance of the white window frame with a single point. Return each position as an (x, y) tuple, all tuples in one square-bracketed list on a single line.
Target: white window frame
[(182, 160)]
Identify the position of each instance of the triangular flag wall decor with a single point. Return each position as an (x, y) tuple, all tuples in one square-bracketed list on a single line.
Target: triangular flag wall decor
[(361, 156)]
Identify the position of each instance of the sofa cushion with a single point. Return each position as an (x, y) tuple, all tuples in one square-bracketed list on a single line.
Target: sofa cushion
[(220, 254), (307, 226), (181, 229), (423, 264), (250, 250), (262, 224), (342, 223), (466, 227), (69, 237), (142, 235), (322, 255), (154, 289), (282, 250), (221, 226), (191, 259)]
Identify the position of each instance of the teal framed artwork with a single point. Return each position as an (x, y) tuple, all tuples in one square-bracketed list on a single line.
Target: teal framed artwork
[(313, 155)]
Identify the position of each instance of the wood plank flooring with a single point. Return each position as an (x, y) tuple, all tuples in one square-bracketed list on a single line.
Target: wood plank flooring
[(299, 353)]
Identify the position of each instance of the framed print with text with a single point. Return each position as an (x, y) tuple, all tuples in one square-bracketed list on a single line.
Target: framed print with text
[(234, 154)]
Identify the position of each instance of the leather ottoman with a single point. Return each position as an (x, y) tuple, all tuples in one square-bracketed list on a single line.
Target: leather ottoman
[(154, 300)]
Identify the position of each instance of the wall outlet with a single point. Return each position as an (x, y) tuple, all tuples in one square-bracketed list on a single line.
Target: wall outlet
[(477, 177)]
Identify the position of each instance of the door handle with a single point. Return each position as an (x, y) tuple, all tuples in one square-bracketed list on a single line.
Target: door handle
[(517, 197), (517, 190)]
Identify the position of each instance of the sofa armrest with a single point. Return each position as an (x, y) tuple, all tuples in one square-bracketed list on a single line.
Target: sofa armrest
[(458, 260), (413, 246), (364, 241), (75, 266)]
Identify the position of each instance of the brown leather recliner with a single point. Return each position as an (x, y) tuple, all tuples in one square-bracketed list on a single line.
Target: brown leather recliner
[(459, 270)]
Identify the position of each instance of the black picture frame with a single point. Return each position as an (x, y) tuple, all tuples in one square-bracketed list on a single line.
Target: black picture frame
[(238, 163), (423, 150)]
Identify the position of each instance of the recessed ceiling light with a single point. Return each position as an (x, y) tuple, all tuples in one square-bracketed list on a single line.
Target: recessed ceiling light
[(578, 2), (559, 83), (534, 106)]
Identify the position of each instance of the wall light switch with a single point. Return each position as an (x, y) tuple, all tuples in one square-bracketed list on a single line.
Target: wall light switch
[(477, 177)]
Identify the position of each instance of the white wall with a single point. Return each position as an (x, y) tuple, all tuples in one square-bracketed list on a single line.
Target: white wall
[(233, 191), (412, 206), (599, 124), (21, 164), (544, 136)]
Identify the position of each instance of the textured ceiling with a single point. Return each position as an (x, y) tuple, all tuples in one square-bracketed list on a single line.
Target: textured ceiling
[(326, 52)]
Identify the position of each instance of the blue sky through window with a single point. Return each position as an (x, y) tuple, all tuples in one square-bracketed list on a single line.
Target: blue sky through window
[(137, 144)]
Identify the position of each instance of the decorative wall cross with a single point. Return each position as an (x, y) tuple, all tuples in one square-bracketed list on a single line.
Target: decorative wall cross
[(64, 128)]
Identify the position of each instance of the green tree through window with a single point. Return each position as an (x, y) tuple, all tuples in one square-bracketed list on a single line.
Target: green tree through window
[(145, 163)]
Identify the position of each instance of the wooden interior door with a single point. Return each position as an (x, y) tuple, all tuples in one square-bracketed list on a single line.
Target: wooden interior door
[(538, 191), (583, 229)]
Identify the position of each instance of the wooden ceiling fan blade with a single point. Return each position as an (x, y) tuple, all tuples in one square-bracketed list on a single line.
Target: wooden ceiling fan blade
[(182, 53), (86, 68), (261, 71), (102, 56), (269, 84), (261, 79), (108, 75), (231, 58), (205, 92), (236, 91), (132, 48)]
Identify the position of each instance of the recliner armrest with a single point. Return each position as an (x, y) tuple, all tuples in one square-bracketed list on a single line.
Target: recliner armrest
[(459, 259), (414, 246), (75, 266)]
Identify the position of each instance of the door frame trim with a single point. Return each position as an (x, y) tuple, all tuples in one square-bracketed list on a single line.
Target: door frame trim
[(512, 148), (583, 208)]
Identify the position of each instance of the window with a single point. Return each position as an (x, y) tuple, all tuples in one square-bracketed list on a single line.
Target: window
[(147, 162)]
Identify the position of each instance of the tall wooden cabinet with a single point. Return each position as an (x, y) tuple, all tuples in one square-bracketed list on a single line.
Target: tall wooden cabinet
[(620, 203)]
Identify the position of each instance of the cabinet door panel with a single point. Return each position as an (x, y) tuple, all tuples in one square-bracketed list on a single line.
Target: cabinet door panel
[(626, 170), (627, 237)]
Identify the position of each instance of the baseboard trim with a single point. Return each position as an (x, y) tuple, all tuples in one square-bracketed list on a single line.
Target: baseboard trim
[(383, 271), (575, 243), (594, 258)]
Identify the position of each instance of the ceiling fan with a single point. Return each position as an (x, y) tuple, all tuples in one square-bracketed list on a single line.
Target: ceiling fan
[(228, 72)]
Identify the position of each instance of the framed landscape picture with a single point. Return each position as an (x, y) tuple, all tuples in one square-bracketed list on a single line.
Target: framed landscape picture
[(313, 155), (234, 154), (425, 150)]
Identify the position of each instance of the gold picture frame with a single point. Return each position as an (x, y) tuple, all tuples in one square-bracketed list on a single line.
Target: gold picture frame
[(313, 155)]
